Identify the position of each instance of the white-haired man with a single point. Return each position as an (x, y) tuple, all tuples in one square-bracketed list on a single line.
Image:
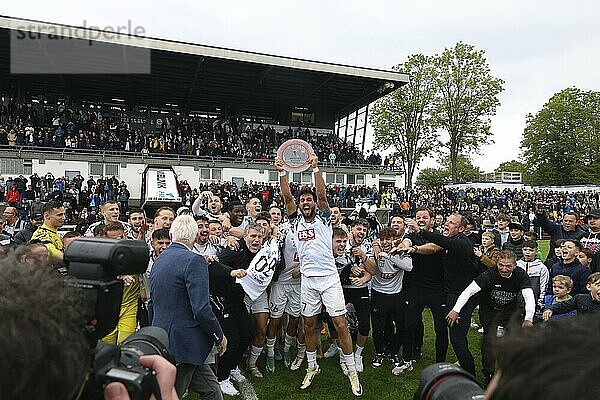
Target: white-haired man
[(181, 306)]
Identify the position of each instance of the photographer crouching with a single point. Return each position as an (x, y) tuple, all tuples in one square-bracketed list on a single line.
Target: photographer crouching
[(48, 327)]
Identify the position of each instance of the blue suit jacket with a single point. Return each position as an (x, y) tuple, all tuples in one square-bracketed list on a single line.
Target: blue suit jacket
[(181, 306)]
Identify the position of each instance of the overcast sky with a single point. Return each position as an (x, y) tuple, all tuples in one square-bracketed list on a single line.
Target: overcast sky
[(537, 47)]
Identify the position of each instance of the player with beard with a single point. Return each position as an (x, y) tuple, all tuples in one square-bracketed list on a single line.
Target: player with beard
[(137, 221), (320, 285), (203, 246), (353, 264), (110, 213), (208, 205)]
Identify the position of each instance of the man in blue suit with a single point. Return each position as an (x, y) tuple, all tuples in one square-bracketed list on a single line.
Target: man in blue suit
[(180, 296)]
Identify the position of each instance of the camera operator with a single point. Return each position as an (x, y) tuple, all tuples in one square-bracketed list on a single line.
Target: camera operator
[(46, 354), (180, 297)]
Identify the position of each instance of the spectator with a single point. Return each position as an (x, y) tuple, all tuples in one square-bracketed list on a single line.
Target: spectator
[(515, 240), (570, 266), (567, 230)]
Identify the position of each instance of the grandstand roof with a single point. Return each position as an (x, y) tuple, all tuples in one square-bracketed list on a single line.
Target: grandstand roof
[(198, 77)]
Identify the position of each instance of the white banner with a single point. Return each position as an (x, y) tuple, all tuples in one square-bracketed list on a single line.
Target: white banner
[(161, 185), (261, 269)]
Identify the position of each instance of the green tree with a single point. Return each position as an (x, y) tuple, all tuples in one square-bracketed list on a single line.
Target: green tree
[(467, 99), (465, 170), (561, 142), (433, 177), (402, 120), (511, 166)]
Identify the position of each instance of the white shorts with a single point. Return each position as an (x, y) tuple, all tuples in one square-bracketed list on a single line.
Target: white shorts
[(318, 291), (260, 305), (284, 297)]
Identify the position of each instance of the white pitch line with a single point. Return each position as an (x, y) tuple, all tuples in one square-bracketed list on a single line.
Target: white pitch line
[(247, 390)]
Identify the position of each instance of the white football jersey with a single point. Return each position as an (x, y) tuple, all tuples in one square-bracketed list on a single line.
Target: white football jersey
[(290, 254), (314, 243)]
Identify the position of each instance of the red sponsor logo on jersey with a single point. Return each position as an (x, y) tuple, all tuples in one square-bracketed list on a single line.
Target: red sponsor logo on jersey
[(307, 234)]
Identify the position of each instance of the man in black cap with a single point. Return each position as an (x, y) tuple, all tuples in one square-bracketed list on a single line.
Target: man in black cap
[(24, 235), (591, 239), (515, 239)]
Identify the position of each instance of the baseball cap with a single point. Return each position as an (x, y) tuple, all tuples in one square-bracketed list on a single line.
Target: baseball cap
[(594, 213), (37, 216), (516, 225)]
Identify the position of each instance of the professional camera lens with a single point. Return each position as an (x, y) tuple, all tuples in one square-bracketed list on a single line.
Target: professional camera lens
[(445, 381), (147, 341)]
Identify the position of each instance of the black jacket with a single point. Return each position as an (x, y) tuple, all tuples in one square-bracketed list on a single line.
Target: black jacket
[(227, 296), (515, 247), (556, 231), (24, 235), (459, 262), (583, 303)]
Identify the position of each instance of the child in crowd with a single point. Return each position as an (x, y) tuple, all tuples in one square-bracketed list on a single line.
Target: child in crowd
[(537, 271), (561, 286), (585, 257), (486, 253), (582, 303), (531, 236), (557, 256), (569, 265)]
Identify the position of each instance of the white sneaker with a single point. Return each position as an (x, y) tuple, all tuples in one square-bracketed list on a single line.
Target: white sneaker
[(228, 388), (405, 366), (331, 351), (358, 360), (357, 389), (310, 376), (237, 375)]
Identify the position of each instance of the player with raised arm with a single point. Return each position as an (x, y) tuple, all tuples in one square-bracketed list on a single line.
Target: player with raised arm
[(320, 283)]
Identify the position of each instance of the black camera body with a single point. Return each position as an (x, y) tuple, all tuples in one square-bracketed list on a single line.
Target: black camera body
[(122, 364), (93, 265)]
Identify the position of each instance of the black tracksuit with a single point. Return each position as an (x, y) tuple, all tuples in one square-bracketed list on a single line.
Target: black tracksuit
[(425, 290), (227, 299), (460, 267)]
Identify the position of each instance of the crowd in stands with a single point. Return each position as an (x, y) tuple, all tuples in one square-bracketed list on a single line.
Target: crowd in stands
[(89, 192), (101, 128)]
